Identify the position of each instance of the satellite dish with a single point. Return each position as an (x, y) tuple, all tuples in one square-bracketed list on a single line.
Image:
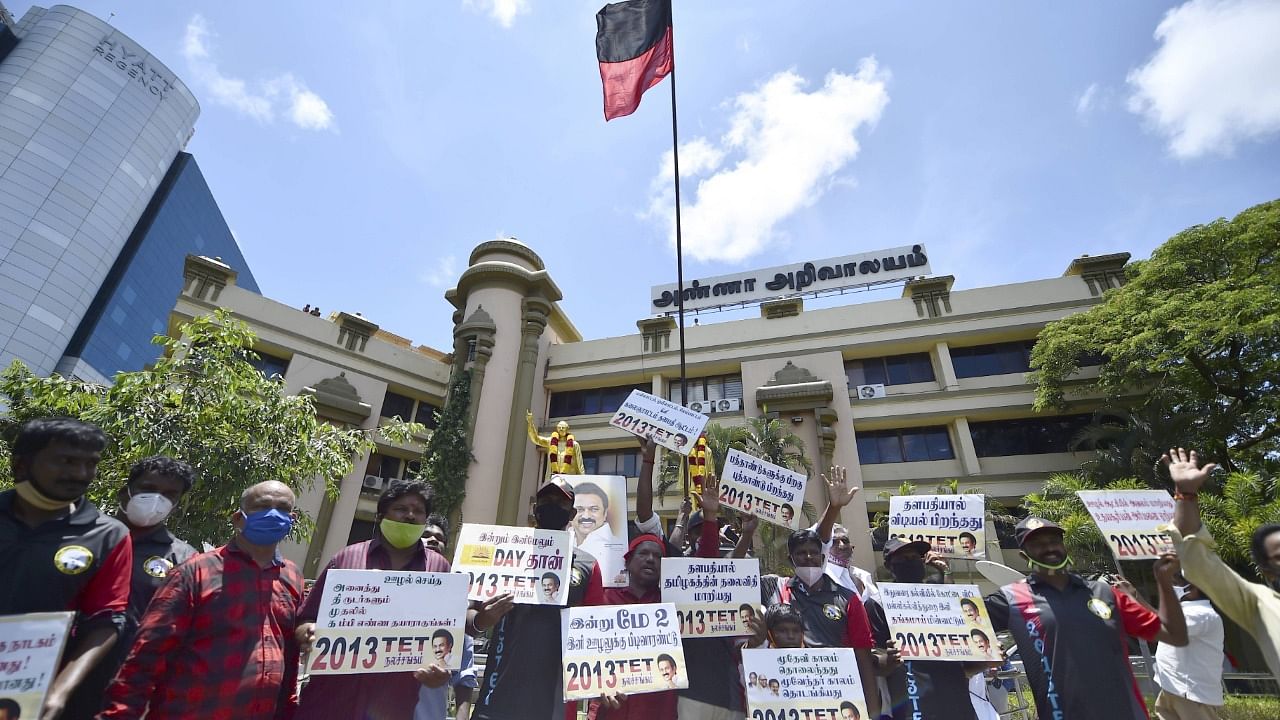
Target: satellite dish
[(998, 574)]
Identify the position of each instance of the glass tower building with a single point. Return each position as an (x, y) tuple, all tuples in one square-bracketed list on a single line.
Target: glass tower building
[(132, 306)]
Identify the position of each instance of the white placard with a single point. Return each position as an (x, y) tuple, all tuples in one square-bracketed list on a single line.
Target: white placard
[(30, 653), (868, 268), (771, 492), (531, 564), (807, 683), (671, 425), (1129, 520), (939, 622), (377, 621), (628, 649), (713, 597), (599, 523), (953, 525)]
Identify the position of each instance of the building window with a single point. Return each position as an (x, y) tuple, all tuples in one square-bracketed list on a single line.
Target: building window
[(471, 350), (1028, 436), (387, 467), (612, 462), (591, 401), (891, 370), (408, 409), (998, 359), (904, 445), (720, 387), (268, 365)]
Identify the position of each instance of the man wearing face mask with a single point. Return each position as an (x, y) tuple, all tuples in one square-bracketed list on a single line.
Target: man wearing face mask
[(217, 641), (403, 509), (1190, 678), (1254, 607), (522, 674), (155, 486), (57, 552), (919, 688), (836, 543), (833, 616), (1073, 634)]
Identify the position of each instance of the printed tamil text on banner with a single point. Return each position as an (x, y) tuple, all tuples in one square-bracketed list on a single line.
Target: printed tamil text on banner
[(803, 683), (952, 524), (374, 621), (671, 425), (772, 493), (531, 564), (628, 649), (1130, 521), (713, 597), (30, 653), (939, 622)]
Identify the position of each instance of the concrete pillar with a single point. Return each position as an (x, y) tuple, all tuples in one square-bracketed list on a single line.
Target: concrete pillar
[(946, 370), (537, 312), (964, 447)]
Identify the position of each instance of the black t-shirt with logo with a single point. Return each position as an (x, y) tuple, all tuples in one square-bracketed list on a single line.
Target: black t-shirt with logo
[(522, 672), (922, 688)]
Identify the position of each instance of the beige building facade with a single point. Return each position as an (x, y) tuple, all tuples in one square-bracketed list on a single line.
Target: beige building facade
[(926, 388)]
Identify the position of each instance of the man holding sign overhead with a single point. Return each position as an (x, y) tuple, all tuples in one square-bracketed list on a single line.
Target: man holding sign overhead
[(403, 509)]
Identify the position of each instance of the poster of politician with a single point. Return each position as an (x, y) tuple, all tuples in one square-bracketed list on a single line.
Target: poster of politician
[(671, 425), (939, 622), (953, 525), (803, 683), (1130, 521), (713, 597), (599, 523), (31, 648), (377, 621), (531, 564), (628, 649), (770, 492)]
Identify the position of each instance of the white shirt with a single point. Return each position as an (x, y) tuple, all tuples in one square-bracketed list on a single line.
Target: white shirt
[(1194, 672), (843, 575)]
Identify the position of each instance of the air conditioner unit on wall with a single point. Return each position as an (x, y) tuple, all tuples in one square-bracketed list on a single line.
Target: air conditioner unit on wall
[(870, 392), (374, 482), (700, 406), (728, 405)]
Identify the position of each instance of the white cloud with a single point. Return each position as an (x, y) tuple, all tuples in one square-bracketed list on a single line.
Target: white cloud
[(784, 148), (1084, 103), (284, 94), (1213, 82), (443, 274), (504, 12)]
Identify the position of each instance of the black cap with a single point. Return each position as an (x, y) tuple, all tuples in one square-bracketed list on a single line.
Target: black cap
[(894, 544), (1033, 524), (557, 483)]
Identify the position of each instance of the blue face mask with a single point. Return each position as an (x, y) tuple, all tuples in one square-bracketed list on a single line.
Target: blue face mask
[(266, 527)]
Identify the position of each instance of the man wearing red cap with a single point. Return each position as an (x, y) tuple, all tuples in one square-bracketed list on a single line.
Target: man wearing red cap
[(1073, 634), (644, 574)]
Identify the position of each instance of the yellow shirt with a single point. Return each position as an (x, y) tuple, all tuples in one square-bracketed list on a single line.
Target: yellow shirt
[(1253, 606)]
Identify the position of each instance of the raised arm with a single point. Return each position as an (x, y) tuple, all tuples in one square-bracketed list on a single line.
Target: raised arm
[(534, 437), (839, 494), (1188, 477), (1173, 624), (682, 523), (746, 537), (709, 541), (644, 483)]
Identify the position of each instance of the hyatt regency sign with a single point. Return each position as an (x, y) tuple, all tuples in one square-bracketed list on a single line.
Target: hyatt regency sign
[(868, 268)]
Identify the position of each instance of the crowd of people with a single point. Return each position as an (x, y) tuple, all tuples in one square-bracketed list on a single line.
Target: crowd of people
[(162, 631)]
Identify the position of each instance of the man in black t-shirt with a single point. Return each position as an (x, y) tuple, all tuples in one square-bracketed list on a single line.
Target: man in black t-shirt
[(919, 688), (522, 673)]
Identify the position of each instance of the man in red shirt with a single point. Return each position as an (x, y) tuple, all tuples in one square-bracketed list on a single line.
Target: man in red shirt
[(217, 641), (57, 552), (401, 519)]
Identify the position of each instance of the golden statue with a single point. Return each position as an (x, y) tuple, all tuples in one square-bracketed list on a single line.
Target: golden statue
[(564, 457), (698, 460)]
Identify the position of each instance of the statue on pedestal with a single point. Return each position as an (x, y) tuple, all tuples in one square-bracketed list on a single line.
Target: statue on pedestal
[(564, 457)]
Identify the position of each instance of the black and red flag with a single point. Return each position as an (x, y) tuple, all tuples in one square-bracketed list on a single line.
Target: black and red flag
[(634, 47)]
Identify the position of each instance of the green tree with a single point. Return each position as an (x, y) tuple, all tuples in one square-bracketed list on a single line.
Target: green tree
[(203, 402), (772, 441), (448, 453), (720, 440), (1195, 331)]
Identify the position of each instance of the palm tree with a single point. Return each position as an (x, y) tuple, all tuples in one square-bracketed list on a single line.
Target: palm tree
[(1059, 503), (1244, 502), (1126, 443), (772, 441), (720, 439)]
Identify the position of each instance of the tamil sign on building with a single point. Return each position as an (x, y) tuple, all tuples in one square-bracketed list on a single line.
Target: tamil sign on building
[(869, 268)]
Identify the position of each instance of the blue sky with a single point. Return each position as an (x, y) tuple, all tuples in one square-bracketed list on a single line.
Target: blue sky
[(359, 157)]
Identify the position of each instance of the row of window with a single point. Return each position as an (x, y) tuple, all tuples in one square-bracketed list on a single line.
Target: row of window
[(408, 409), (975, 361), (996, 438)]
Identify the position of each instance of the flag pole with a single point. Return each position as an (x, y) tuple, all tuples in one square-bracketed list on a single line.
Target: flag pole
[(675, 163)]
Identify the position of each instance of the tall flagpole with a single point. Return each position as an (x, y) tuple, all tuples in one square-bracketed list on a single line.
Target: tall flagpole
[(675, 163)]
